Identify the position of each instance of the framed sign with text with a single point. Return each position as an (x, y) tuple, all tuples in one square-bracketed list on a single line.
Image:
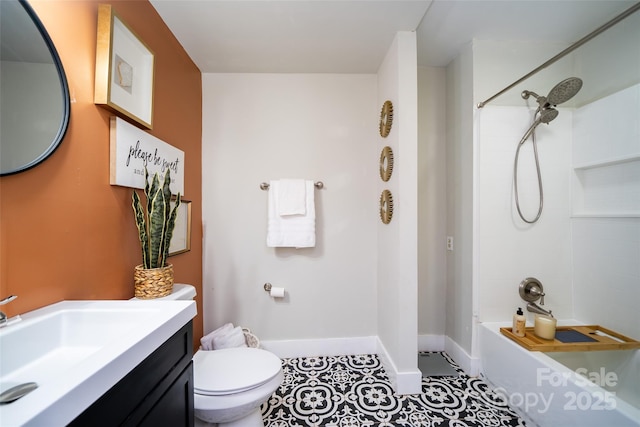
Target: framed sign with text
[(131, 149)]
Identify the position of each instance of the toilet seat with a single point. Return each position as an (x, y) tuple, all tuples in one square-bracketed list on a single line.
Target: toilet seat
[(232, 370)]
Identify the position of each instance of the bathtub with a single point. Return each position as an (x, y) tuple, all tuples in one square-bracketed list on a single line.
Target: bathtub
[(597, 388)]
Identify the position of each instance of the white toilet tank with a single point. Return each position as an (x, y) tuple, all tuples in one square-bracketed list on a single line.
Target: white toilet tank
[(181, 291)]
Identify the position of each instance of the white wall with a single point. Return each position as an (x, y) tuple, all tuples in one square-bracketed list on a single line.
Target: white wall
[(609, 62), (499, 63), (259, 127), (432, 213), (587, 263), (397, 266), (359, 284), (606, 209), (607, 273), (606, 181), (490, 257), (492, 251), (459, 155), (510, 250)]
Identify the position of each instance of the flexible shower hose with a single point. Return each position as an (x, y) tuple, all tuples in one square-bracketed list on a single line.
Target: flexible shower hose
[(515, 179)]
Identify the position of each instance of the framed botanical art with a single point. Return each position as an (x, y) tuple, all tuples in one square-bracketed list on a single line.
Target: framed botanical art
[(181, 239), (124, 69)]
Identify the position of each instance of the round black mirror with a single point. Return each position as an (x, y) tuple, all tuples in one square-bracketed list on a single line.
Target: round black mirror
[(34, 93)]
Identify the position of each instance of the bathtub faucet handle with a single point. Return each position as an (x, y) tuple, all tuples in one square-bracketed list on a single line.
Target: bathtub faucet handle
[(537, 292)]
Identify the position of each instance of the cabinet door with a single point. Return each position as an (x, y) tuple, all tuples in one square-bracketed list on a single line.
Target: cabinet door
[(174, 408), (134, 396)]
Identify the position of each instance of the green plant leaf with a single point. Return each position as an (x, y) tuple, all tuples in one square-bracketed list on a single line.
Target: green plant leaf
[(170, 226), (150, 191), (167, 197), (156, 224), (157, 221), (142, 227)]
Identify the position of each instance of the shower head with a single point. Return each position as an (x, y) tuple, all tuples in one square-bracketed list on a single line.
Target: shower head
[(546, 115), (562, 92)]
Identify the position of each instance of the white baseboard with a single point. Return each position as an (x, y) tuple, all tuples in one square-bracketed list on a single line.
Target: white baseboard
[(321, 347), (470, 365), (431, 342), (405, 382)]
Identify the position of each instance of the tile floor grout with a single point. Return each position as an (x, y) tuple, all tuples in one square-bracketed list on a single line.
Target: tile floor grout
[(354, 391)]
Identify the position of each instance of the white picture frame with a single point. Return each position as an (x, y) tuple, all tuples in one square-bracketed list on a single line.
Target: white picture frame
[(132, 149)]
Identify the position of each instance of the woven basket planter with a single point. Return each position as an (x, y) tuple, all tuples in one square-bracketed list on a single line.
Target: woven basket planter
[(153, 282)]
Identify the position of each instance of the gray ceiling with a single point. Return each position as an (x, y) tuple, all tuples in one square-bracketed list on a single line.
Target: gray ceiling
[(352, 36)]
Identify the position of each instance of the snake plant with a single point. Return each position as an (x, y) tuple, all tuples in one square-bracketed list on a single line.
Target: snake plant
[(157, 221)]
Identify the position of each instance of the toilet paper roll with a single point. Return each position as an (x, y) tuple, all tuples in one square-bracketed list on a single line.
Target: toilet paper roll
[(276, 292)]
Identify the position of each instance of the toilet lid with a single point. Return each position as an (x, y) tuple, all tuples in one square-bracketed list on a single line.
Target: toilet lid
[(232, 370)]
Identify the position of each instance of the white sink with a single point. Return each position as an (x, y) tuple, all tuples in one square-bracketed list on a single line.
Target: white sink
[(76, 350)]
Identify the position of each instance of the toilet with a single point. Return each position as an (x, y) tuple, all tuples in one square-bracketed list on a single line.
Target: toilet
[(230, 384)]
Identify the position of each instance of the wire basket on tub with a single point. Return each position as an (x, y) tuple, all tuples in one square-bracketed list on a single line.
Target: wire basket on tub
[(251, 340)]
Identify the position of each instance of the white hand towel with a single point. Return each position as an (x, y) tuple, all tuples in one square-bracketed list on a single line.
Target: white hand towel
[(291, 198), (208, 341), (232, 339), (294, 231)]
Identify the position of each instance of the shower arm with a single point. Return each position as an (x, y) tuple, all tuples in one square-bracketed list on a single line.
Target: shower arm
[(541, 100), (565, 52), (527, 93)]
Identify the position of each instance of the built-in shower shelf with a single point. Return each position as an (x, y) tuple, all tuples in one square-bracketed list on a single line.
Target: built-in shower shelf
[(608, 162), (606, 215), (594, 337)]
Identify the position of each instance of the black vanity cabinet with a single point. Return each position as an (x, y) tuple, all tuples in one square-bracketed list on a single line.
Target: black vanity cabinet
[(157, 392)]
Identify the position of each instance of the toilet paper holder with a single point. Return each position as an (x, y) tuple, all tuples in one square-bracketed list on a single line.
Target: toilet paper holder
[(274, 291)]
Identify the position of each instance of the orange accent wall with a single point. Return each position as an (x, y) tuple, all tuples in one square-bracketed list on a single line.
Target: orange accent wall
[(65, 233)]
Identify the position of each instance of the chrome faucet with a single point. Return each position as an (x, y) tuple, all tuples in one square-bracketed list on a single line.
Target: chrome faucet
[(3, 317), (531, 290), (535, 308)]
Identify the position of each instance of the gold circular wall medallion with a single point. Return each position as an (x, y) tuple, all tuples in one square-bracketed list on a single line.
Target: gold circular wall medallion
[(386, 163), (386, 206), (386, 118)]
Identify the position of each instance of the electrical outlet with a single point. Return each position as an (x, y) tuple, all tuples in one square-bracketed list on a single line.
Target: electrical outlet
[(450, 243)]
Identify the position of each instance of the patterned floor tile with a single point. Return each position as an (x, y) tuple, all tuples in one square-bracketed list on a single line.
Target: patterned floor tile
[(354, 391)]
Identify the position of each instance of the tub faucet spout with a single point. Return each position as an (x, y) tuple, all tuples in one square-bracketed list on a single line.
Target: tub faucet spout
[(535, 308)]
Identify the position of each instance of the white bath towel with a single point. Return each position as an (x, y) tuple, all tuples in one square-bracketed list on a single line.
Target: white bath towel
[(291, 197), (293, 231), (232, 339), (208, 341)]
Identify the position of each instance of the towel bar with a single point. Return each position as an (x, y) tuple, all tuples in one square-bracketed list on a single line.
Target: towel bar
[(319, 185)]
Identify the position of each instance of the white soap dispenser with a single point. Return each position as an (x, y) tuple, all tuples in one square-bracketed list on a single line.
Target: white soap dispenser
[(519, 323)]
